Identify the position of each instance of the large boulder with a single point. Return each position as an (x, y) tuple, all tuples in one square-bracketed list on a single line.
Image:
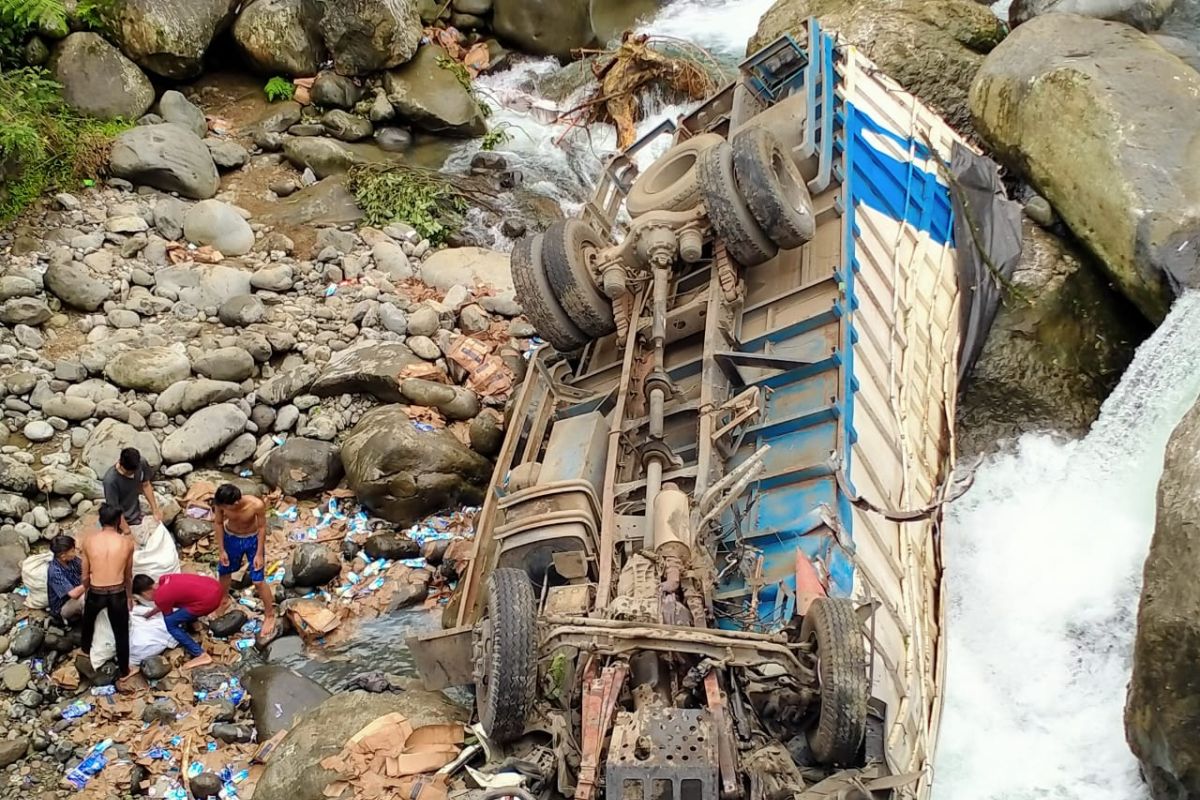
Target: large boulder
[(148, 369), (303, 466), (468, 266), (431, 97), (218, 224), (226, 364), (1147, 15), (11, 556), (203, 286), (205, 432), (169, 37), (110, 437), (369, 35), (168, 157), (402, 473), (368, 368), (932, 48), (323, 156), (278, 695), (287, 385), (1060, 342), (1162, 713), (281, 37), (98, 80), (1102, 121), (548, 29), (15, 476), (72, 282), (313, 565), (295, 772)]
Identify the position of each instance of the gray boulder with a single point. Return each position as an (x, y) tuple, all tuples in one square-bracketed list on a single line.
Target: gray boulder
[(346, 126), (148, 369), (11, 556), (168, 157), (486, 435), (278, 695), (98, 80), (314, 565), (226, 364), (13, 750), (302, 467), (281, 37), (24, 311), (205, 432), (323, 156), (278, 278), (548, 29), (169, 213), (204, 392), (365, 36), (72, 409), (1148, 15), (226, 153), (391, 546), (16, 476), (1127, 187), (212, 222), (468, 266), (331, 90), (72, 282), (403, 473), (108, 439), (238, 451), (168, 37), (241, 310), (368, 368), (287, 385), (203, 285), (432, 98), (454, 402), (174, 107)]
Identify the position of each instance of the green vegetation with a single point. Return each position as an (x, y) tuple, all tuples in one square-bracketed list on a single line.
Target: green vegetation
[(96, 14), (279, 89), (496, 137), (26, 14), (43, 143), (426, 200)]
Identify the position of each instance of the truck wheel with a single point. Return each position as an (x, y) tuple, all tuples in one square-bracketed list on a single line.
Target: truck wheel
[(506, 679), (537, 299), (727, 210), (842, 671), (569, 248), (773, 187), (671, 182)]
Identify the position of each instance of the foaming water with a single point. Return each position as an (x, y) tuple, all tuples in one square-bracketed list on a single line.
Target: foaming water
[(720, 26), (1043, 569)]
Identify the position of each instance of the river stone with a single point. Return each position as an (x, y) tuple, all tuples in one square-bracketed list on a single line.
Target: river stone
[(281, 37), (168, 157), (365, 36), (302, 467), (431, 98), (212, 222), (346, 126), (11, 556), (393, 140), (174, 107), (287, 385), (155, 668), (15, 286), (932, 48), (391, 546), (98, 80), (277, 278), (16, 677), (149, 369), (167, 37), (403, 473), (295, 772), (228, 624), (241, 310), (24, 311), (454, 402), (110, 437), (206, 785), (72, 282), (547, 29), (27, 641), (197, 394), (314, 565), (1114, 167), (204, 285), (72, 409), (16, 476), (331, 90), (206, 431), (367, 368), (1163, 707), (468, 266), (38, 431), (324, 157), (226, 364), (486, 435), (13, 750), (1147, 15), (238, 451)]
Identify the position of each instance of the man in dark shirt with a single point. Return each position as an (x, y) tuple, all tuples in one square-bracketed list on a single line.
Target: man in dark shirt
[(64, 580), (182, 598), (123, 482)]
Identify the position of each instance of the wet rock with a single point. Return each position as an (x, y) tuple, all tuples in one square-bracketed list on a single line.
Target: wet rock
[(11, 556), (331, 90), (168, 157), (287, 385), (149, 369), (98, 80), (16, 476), (393, 140), (403, 473), (1102, 80), (155, 668), (212, 222), (302, 467), (285, 647), (432, 98), (241, 310), (279, 695), (24, 311), (206, 431), (226, 364), (169, 38), (454, 402), (13, 750), (366, 36), (27, 641), (228, 624), (280, 117), (16, 677), (161, 710), (324, 157), (206, 785), (189, 531), (1146, 15), (486, 435), (281, 37), (232, 734), (549, 29), (368, 368), (412, 590), (391, 546), (295, 772), (346, 126), (314, 565), (174, 107)]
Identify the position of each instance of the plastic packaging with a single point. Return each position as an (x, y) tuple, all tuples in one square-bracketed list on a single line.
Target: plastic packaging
[(90, 766), (104, 691), (77, 710)]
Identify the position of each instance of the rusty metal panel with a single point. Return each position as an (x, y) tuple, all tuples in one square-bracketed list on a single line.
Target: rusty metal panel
[(662, 754), (444, 658)]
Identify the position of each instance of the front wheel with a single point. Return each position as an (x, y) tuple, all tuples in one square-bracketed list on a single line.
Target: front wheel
[(506, 675), (842, 671)]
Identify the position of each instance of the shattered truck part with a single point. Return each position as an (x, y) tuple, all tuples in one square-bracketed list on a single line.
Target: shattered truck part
[(710, 509)]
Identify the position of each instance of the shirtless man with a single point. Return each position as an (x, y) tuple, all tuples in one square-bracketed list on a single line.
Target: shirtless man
[(240, 525), (108, 575)]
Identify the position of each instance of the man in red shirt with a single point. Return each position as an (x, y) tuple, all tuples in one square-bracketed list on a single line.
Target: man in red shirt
[(182, 598)]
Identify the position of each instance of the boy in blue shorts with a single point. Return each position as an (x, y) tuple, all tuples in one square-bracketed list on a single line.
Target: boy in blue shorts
[(240, 526)]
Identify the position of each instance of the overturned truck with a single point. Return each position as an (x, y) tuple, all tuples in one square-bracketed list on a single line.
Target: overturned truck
[(708, 565)]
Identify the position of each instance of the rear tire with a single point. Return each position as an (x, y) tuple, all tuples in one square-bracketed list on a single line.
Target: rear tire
[(773, 187), (569, 248), (508, 688), (671, 183), (731, 218), (537, 299), (838, 734)]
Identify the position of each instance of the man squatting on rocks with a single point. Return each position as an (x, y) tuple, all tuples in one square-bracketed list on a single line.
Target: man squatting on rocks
[(123, 482), (182, 598), (64, 581), (240, 525), (108, 581)]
